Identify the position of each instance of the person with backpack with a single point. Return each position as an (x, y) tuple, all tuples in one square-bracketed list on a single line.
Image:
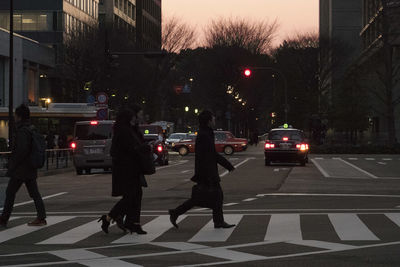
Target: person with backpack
[(27, 155)]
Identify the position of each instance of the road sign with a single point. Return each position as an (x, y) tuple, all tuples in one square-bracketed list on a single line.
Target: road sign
[(102, 114), (102, 98), (91, 99)]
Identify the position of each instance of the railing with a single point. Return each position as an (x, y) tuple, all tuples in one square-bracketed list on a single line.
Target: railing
[(55, 159)]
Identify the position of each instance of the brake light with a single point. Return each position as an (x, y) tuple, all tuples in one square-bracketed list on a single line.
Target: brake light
[(159, 148), (302, 147), (94, 122), (285, 138), (73, 145), (269, 145)]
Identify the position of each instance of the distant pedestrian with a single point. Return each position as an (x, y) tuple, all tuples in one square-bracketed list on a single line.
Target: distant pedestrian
[(21, 171), (207, 192), (127, 177), (62, 143)]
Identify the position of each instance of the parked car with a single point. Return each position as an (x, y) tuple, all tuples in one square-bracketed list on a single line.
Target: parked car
[(175, 137), (91, 145), (225, 142), (153, 136), (286, 144)]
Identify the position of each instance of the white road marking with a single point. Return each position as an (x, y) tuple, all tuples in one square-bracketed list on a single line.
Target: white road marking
[(249, 199), (369, 158), (350, 227), (172, 165), (154, 228), (359, 169), (324, 173), (209, 234), (14, 232), (318, 158), (387, 159), (321, 244), (31, 201), (185, 171), (336, 158), (352, 158), (284, 227), (394, 217), (231, 255), (92, 259), (276, 170), (230, 204), (325, 195), (74, 235), (237, 165), (381, 163), (200, 209)]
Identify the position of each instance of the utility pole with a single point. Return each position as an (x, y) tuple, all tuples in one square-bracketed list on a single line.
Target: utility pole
[(11, 79)]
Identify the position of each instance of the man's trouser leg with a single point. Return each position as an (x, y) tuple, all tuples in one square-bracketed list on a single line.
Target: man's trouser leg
[(12, 189), (184, 207), (218, 215), (135, 206), (33, 190)]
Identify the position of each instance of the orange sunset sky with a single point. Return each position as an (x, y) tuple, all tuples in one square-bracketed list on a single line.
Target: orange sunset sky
[(292, 15)]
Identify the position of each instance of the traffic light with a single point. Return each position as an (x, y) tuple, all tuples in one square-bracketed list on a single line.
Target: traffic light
[(247, 72)]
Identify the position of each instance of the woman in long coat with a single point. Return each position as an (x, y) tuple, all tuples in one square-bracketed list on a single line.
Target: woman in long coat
[(127, 178)]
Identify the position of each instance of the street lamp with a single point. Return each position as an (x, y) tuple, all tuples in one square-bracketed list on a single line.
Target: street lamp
[(186, 108), (196, 111)]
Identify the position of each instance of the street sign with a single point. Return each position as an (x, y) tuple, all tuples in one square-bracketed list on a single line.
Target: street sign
[(102, 114), (102, 98), (91, 99)]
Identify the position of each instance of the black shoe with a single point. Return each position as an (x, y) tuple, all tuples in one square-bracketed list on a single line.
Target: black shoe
[(135, 228), (173, 217), (223, 225), (104, 223), (120, 223)]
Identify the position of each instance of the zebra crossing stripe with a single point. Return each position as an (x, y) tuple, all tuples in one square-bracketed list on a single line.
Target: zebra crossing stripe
[(394, 217), (322, 244), (24, 229), (88, 258), (209, 234), (283, 227), (154, 228), (350, 227), (74, 235)]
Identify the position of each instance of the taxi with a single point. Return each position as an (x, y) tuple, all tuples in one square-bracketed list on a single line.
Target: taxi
[(225, 142), (286, 144)]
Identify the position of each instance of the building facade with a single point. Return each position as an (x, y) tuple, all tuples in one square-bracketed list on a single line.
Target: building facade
[(50, 21), (118, 13), (340, 24), (379, 60), (148, 24)]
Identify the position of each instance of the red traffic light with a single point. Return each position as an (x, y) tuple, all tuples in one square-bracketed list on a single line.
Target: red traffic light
[(247, 72)]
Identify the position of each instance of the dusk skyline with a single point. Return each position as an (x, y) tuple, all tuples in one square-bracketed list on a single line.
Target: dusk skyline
[(293, 16)]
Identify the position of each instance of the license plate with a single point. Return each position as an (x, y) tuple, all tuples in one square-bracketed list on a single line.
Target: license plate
[(285, 145), (96, 150)]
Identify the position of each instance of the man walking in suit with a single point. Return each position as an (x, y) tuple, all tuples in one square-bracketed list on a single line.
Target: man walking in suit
[(207, 192)]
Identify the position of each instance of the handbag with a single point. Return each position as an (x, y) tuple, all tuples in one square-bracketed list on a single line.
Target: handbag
[(204, 195), (146, 160)]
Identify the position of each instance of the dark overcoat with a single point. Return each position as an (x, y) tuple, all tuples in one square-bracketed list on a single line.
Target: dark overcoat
[(19, 164), (207, 159), (126, 173)]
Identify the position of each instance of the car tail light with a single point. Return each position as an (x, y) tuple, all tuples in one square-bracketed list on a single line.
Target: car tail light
[(159, 148), (285, 138), (94, 122), (269, 145), (73, 145), (302, 147)]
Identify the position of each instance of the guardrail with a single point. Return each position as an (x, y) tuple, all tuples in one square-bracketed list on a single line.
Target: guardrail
[(55, 159)]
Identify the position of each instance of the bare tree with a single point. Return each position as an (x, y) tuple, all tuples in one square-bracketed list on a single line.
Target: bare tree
[(177, 36), (254, 36)]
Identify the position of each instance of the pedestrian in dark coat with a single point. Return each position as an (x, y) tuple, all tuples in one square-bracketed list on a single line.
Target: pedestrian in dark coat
[(207, 192), (127, 177), (20, 169)]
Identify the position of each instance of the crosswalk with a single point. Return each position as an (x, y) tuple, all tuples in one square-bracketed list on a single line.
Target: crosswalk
[(333, 227)]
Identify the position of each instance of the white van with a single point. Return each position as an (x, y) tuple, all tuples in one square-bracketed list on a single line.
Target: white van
[(91, 145)]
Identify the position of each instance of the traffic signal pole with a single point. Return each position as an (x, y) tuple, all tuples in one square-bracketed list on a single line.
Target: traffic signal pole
[(11, 79), (279, 72)]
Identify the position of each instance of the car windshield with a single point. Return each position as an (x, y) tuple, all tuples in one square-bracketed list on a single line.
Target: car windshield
[(177, 136), (93, 132), (292, 135)]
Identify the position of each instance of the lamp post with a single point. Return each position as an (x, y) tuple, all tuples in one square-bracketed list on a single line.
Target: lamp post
[(11, 79)]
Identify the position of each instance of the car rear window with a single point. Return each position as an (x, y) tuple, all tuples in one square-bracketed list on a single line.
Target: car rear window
[(177, 136), (93, 132), (150, 129), (292, 135)]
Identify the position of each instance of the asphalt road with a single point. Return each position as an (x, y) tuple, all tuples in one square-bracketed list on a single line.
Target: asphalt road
[(339, 210)]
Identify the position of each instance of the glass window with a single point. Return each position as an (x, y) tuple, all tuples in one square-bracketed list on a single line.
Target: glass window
[(292, 135), (220, 136), (43, 24), (17, 22), (116, 3), (4, 20), (93, 132)]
